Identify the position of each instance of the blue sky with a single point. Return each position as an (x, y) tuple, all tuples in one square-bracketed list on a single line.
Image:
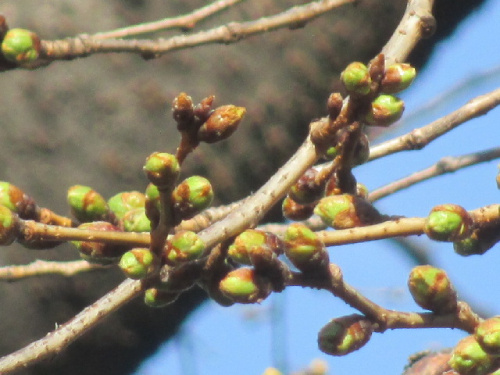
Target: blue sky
[(283, 330)]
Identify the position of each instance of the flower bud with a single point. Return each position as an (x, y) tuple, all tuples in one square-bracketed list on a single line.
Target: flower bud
[(15, 200), (162, 169), (243, 286), (136, 221), (183, 111), (99, 252), (124, 202), (221, 123), (385, 110), (346, 211), (304, 249), (9, 226), (152, 204), (184, 246), (21, 46), (448, 222), (397, 77), (344, 335), (432, 289), (158, 298), (306, 190), (253, 241), (479, 241), (86, 204), (296, 212), (192, 196), (138, 263), (468, 358), (331, 153), (356, 79), (488, 335)]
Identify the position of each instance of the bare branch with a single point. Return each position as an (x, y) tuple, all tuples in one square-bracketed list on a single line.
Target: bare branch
[(42, 267)]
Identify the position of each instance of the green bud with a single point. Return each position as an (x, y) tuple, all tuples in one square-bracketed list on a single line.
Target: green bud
[(152, 204), (21, 46), (138, 263), (468, 358), (158, 298), (397, 77), (385, 110), (124, 202), (346, 211), (98, 252), (9, 226), (479, 241), (304, 249), (184, 246), (344, 335), (192, 196), (15, 200), (243, 286), (86, 204), (306, 190), (448, 222), (296, 212), (162, 169), (136, 221), (432, 289), (254, 243), (356, 79), (488, 335), (221, 123), (331, 153)]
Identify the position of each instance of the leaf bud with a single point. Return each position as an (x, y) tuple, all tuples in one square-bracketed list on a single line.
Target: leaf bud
[(488, 335), (296, 212), (346, 211), (243, 285), (204, 108), (334, 105), (468, 358), (307, 190), (136, 221), (345, 335), (15, 200), (154, 297), (124, 202), (183, 111), (138, 263), (162, 169), (99, 252), (356, 79), (20, 46), (9, 226), (87, 204), (397, 77), (304, 249), (448, 222), (192, 196), (432, 289), (183, 246), (384, 110), (221, 123)]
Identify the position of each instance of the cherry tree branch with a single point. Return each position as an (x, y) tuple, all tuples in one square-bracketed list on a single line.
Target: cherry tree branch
[(42, 267)]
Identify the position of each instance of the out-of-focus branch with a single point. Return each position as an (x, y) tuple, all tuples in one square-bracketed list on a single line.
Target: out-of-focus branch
[(42, 267)]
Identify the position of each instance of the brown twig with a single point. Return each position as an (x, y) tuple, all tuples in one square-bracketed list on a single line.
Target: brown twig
[(184, 22), (42, 267)]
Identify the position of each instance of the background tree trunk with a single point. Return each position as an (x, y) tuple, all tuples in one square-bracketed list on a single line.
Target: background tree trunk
[(93, 121)]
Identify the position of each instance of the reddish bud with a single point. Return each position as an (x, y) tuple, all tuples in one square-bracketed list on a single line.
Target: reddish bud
[(221, 123)]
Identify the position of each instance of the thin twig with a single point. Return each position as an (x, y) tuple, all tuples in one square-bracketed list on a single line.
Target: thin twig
[(42, 267), (184, 22), (447, 164)]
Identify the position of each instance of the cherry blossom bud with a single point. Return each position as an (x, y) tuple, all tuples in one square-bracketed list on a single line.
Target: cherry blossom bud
[(243, 285), (356, 79), (221, 123), (385, 110), (20, 46), (9, 226), (138, 263), (192, 196), (397, 77), (448, 222), (304, 249), (184, 246), (468, 358), (87, 204)]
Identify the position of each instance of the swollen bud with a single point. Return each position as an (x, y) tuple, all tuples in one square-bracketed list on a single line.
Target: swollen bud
[(86, 204), (243, 285), (468, 358), (9, 226), (21, 46), (344, 335), (356, 79), (182, 247), (253, 242), (384, 110), (296, 212), (162, 169), (221, 123), (154, 297), (124, 202), (488, 335), (304, 249), (138, 263), (136, 221), (192, 196), (346, 211), (152, 204), (432, 289), (448, 222), (306, 190), (397, 77), (15, 200)]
